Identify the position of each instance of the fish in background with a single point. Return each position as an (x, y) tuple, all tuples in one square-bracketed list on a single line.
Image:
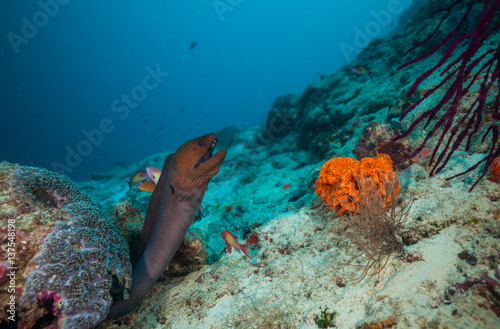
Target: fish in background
[(137, 178), (361, 70), (192, 45)]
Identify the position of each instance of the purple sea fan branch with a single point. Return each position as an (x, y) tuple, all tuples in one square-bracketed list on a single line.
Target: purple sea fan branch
[(448, 10), (463, 72)]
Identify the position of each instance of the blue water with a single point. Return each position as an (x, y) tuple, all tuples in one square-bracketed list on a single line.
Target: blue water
[(69, 66)]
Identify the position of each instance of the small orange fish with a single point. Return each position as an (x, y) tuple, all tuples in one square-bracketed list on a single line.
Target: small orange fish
[(137, 178), (286, 186), (230, 241), (154, 174), (147, 186)]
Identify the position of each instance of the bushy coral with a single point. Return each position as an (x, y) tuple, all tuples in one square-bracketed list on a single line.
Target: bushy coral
[(377, 228), (337, 184), (76, 256)]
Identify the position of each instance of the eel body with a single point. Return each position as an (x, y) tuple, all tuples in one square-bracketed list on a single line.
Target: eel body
[(173, 206)]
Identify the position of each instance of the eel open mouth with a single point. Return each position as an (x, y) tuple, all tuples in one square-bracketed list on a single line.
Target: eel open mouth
[(208, 154)]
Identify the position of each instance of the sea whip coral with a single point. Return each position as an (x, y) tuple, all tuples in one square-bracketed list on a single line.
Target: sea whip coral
[(338, 186), (462, 73)]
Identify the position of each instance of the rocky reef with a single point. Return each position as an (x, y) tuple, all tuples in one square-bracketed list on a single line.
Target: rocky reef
[(69, 258), (329, 112), (72, 247)]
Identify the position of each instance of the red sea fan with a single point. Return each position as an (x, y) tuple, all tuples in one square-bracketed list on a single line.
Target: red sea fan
[(463, 72)]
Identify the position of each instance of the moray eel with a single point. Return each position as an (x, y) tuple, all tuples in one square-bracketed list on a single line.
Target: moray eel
[(171, 210)]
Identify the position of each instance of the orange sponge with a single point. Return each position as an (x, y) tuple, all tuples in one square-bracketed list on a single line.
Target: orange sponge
[(337, 184)]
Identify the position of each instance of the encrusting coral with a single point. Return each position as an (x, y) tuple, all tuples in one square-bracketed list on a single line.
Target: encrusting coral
[(337, 182), (71, 260)]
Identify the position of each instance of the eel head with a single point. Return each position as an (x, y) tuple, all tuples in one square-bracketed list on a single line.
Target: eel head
[(193, 166)]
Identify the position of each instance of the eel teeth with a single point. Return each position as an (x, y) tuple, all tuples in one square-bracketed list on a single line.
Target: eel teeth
[(208, 154)]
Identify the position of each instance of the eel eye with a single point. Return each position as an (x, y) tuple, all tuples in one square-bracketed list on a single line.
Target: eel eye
[(200, 143)]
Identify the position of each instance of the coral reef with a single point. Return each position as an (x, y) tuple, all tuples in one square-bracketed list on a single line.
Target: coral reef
[(485, 286), (306, 259), (443, 274), (71, 259), (338, 182)]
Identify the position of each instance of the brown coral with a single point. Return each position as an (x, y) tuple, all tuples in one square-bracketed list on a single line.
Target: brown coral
[(338, 186), (378, 228)]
